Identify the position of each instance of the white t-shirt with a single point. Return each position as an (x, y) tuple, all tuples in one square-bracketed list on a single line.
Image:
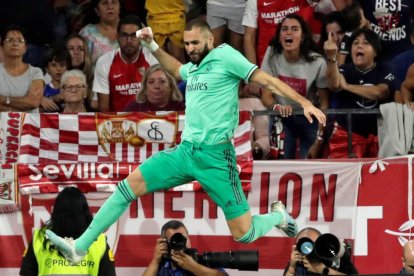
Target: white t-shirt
[(18, 86)]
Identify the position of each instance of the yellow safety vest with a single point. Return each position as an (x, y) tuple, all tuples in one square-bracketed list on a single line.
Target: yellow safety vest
[(51, 263)]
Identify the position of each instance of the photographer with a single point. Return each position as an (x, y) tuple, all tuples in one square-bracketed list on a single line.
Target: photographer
[(176, 263), (301, 264)]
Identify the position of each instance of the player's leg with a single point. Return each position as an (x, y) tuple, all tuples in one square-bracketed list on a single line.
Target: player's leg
[(247, 228), (127, 191), (217, 172), (146, 178)]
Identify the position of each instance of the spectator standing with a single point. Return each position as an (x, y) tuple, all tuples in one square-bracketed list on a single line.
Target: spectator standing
[(80, 58), (101, 32), (159, 92), (119, 73), (261, 19), (364, 84), (293, 57), (333, 23), (70, 217), (225, 16), (21, 85), (391, 21), (179, 263), (167, 20), (354, 20)]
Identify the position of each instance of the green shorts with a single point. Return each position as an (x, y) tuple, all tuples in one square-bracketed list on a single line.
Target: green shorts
[(214, 166)]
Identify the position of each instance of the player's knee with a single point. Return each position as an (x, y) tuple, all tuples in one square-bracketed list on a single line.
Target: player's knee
[(137, 183), (247, 237)]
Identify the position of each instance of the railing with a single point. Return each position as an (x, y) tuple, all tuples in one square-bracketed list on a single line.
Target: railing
[(347, 111)]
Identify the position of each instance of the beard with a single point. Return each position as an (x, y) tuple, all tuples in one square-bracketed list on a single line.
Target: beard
[(129, 51), (198, 57)]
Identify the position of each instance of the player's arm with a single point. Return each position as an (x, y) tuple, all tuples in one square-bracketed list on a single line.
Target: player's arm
[(277, 86), (171, 64)]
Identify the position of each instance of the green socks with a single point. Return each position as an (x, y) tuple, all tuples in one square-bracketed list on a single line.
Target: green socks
[(261, 224), (110, 211)]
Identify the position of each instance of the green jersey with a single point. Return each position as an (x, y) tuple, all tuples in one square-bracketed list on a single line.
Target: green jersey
[(212, 107)]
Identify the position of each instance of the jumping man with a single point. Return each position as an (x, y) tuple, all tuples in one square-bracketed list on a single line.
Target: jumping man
[(206, 153)]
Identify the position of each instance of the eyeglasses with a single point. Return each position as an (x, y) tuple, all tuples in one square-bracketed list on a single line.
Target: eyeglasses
[(11, 40), (125, 36), (76, 87)]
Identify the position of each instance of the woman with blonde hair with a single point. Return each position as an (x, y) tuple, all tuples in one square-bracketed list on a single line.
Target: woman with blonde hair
[(159, 92)]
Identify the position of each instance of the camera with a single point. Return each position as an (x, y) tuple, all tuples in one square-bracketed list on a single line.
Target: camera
[(177, 243), (241, 260), (327, 247)]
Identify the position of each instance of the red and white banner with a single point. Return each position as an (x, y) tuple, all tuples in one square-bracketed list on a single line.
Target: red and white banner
[(318, 194), (99, 137), (51, 150), (377, 214)]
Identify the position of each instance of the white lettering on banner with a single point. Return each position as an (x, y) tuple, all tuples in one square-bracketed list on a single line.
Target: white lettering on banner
[(70, 171), (329, 186), (311, 189), (322, 194), (364, 214), (9, 136)]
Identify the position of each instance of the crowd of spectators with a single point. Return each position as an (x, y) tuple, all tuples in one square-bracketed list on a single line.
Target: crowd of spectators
[(338, 53)]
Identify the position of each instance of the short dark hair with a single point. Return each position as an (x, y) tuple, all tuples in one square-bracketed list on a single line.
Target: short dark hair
[(371, 37), (172, 224), (57, 53), (307, 45), (130, 19), (11, 28), (332, 17), (197, 23)]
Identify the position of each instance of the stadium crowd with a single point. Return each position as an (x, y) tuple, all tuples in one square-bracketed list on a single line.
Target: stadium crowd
[(340, 54)]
